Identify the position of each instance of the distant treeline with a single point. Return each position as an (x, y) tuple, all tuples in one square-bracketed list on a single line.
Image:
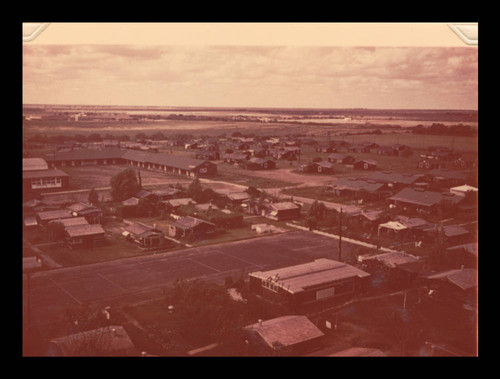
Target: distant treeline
[(443, 130)]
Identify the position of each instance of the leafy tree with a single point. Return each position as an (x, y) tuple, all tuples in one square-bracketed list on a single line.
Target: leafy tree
[(203, 311), (124, 185), (253, 192), (149, 206), (55, 231), (93, 197)]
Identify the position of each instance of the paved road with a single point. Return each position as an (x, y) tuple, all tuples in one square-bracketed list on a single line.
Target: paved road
[(132, 280)]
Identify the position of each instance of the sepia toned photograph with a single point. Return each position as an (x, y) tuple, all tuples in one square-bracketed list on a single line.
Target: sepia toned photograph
[(249, 190)]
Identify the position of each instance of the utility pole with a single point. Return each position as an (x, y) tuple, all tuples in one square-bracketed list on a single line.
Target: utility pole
[(340, 237)]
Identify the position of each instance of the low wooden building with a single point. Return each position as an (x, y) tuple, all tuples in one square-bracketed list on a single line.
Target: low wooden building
[(423, 201), (43, 218), (170, 164), (365, 164), (110, 341), (38, 177), (321, 167), (145, 235), (289, 335), (309, 283), (285, 210), (190, 227), (84, 236), (359, 189), (92, 214), (260, 164), (84, 157), (394, 180), (341, 158)]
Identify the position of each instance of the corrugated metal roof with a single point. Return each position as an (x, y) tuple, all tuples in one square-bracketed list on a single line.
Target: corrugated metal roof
[(300, 277)]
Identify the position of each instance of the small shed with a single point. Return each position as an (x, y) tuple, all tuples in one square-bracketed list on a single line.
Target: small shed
[(365, 164), (104, 342), (291, 335), (84, 236), (190, 227), (144, 235), (285, 210)]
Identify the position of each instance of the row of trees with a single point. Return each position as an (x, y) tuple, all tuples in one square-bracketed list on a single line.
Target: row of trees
[(443, 130)]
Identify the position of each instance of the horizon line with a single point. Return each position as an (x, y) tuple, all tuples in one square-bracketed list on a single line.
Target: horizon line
[(249, 107)]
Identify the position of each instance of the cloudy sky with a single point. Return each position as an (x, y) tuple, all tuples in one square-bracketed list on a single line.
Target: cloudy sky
[(248, 76)]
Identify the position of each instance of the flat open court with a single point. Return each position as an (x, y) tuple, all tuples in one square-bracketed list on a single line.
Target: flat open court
[(130, 280)]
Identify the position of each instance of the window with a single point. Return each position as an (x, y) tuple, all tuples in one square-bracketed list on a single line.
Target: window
[(46, 182), (270, 285)]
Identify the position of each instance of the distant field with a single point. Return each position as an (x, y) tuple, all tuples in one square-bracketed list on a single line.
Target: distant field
[(216, 128)]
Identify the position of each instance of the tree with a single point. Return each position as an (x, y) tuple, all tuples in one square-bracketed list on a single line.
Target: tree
[(149, 206), (124, 185), (93, 197), (194, 189), (55, 231)]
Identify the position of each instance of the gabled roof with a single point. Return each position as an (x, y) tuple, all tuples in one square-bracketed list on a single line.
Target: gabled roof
[(454, 230), (85, 154), (131, 201), (84, 230), (52, 215), (284, 205), (392, 259), (107, 341), (74, 221), (77, 207), (139, 228), (286, 330), (463, 278), (423, 198), (393, 177), (189, 222), (51, 173), (355, 184), (369, 161), (238, 196), (30, 164), (205, 207), (471, 248), (299, 278), (448, 174), (164, 159), (324, 164)]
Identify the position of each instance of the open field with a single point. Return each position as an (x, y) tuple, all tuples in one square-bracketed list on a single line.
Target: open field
[(127, 281)]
